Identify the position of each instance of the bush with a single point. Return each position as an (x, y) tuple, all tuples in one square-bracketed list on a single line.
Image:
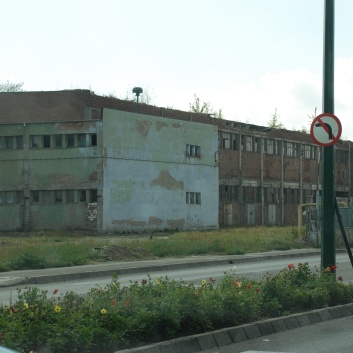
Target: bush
[(114, 317)]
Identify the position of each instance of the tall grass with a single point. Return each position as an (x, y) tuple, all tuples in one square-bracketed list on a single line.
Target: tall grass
[(53, 249), (235, 241)]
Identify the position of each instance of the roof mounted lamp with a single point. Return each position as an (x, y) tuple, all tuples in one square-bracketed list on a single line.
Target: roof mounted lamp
[(137, 91)]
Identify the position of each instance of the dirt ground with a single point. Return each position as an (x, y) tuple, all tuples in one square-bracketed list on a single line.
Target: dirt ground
[(123, 253)]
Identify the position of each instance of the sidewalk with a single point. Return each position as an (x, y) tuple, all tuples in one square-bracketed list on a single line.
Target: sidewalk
[(107, 269)]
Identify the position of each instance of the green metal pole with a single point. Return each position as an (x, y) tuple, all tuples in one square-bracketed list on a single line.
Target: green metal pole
[(328, 245)]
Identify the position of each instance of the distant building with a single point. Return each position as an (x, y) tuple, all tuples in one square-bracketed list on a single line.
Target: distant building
[(75, 160)]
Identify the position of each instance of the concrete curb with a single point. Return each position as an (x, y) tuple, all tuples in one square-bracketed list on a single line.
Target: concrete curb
[(227, 336), (47, 276)]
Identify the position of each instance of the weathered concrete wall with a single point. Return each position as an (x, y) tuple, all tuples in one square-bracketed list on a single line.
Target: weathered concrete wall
[(147, 173), (48, 169)]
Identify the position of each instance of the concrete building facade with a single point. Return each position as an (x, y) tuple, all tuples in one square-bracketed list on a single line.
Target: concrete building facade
[(73, 159)]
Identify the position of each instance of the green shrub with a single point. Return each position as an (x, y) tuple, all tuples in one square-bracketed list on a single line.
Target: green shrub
[(111, 318)]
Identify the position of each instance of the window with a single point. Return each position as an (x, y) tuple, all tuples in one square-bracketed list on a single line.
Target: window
[(70, 196), (193, 151), (93, 139), (257, 146), (46, 196), (46, 141), (249, 140), (10, 197), (193, 198), (70, 140), (35, 196), (225, 140), (81, 138), (9, 142), (93, 195), (82, 195), (269, 146), (58, 141), (35, 141), (19, 142), (58, 196), (342, 156)]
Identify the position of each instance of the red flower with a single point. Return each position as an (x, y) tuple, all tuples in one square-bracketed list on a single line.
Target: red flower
[(212, 280), (290, 266), (12, 309), (144, 282), (249, 286), (56, 291), (112, 302), (333, 267), (257, 290), (340, 278)]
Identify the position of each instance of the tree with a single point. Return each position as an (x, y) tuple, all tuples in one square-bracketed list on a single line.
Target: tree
[(204, 108), (274, 122), (11, 87)]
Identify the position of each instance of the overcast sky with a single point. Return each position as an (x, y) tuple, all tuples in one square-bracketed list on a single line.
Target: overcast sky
[(247, 57)]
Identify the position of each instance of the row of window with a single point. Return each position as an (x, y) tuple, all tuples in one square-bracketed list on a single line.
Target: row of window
[(49, 141), (70, 196), (63, 196), (231, 141), (231, 193), (49, 196)]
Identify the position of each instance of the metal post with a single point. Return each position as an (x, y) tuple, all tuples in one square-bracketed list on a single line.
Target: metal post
[(328, 246)]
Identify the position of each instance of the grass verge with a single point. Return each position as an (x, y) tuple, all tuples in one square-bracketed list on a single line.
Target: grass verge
[(59, 249)]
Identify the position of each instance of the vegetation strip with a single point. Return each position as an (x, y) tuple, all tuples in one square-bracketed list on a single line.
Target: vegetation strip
[(158, 309)]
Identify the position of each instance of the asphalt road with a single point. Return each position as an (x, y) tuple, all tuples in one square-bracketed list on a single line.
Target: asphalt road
[(327, 337), (253, 270)]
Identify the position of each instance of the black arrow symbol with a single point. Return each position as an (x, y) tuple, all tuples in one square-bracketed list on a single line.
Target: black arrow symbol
[(329, 128)]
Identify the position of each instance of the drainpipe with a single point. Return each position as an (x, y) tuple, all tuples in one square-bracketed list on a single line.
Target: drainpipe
[(240, 201), (262, 181), (282, 184)]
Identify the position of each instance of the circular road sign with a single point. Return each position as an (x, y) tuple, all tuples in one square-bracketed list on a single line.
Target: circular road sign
[(326, 129)]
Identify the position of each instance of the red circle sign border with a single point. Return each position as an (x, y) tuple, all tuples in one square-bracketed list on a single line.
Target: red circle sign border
[(335, 140)]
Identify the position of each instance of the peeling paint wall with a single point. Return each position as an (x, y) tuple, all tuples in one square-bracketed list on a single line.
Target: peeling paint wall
[(147, 173), (62, 173)]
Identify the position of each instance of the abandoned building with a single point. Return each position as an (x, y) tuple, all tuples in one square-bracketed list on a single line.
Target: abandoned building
[(75, 160)]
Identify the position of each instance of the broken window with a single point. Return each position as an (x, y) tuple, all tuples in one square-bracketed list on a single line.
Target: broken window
[(58, 196), (9, 142), (70, 196), (81, 138), (93, 195), (58, 140), (10, 197), (46, 196), (35, 141), (70, 140), (93, 139), (46, 141), (19, 142), (35, 196), (82, 195)]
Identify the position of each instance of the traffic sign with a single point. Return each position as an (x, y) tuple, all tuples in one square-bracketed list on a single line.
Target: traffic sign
[(326, 129)]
